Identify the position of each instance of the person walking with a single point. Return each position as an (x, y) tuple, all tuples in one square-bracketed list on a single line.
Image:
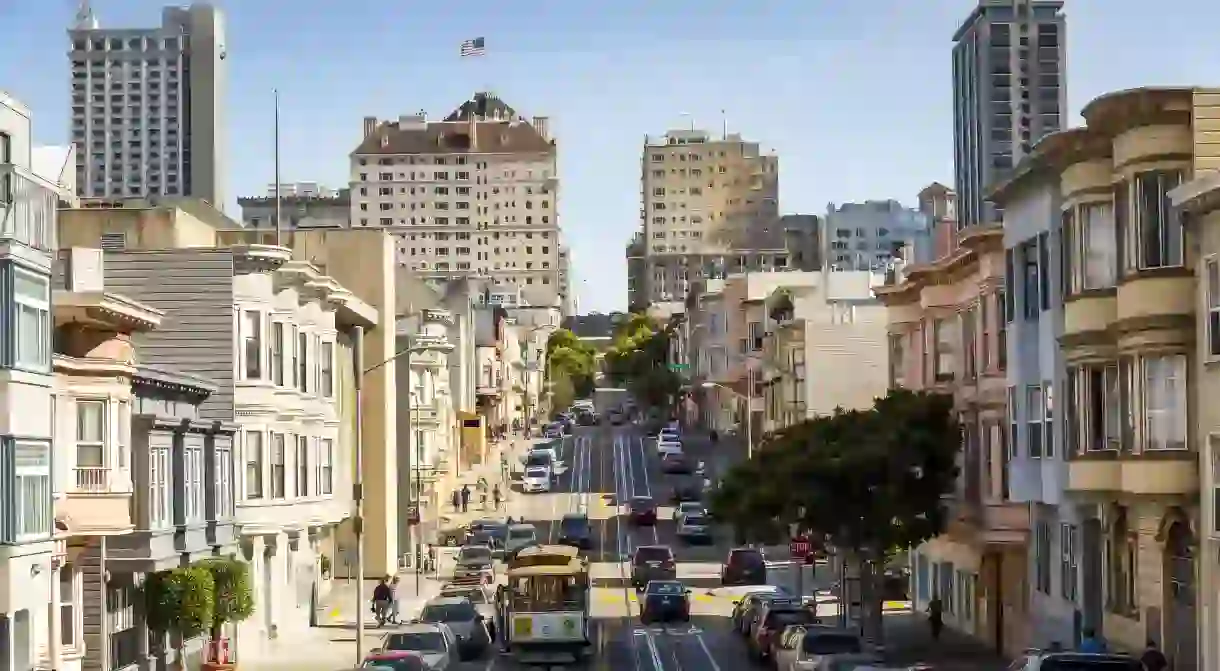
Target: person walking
[(465, 498), (495, 496), (1153, 659), (936, 617), (383, 597), (394, 600), (457, 500)]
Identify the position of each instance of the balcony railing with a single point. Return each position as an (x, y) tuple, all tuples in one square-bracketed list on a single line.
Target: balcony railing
[(28, 206), (92, 478)]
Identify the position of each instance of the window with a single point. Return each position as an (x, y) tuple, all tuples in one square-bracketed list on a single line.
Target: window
[(1007, 305), (1090, 247), (896, 365), (1094, 408), (123, 449), (1154, 229), (1069, 540), (160, 489), (254, 464), (32, 489), (1044, 270), (1001, 336), (328, 369), (292, 360), (969, 344), (222, 466), (1048, 419), (6, 156), (1164, 402), (67, 606), (252, 348), (32, 308), (1034, 414), (985, 334), (1032, 283), (192, 484), (1121, 563), (303, 361), (1214, 440), (1211, 298), (326, 467), (278, 457), (277, 353), (1011, 410), (90, 444), (942, 351), (1042, 556), (302, 479)]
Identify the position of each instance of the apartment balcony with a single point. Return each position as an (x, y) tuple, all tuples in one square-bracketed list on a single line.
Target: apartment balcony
[(28, 205), (1170, 473), (97, 500)]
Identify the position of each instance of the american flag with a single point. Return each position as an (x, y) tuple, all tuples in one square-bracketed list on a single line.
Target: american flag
[(475, 47)]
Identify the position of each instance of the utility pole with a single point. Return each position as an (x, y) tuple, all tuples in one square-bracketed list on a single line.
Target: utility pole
[(357, 483)]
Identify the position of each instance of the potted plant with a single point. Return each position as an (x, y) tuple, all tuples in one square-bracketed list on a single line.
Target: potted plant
[(179, 602), (233, 601)]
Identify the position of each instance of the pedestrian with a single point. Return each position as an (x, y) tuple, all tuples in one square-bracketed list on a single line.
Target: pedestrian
[(383, 597), (936, 617), (457, 500), (495, 495), (1153, 659), (394, 600), (510, 520), (430, 553), (465, 497), (1091, 643)]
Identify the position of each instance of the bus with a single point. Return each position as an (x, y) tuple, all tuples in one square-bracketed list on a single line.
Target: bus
[(545, 606)]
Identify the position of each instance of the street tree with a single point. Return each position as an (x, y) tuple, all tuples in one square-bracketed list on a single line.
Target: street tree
[(869, 482), (638, 360), (570, 359)]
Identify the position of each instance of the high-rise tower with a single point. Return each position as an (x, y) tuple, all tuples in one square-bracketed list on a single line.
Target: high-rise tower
[(147, 105)]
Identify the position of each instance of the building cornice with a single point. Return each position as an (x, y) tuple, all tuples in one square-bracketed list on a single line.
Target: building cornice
[(252, 258), (104, 310), (154, 378), (311, 282)]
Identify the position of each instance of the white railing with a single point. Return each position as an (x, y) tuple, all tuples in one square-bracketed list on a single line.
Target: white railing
[(28, 206), (92, 478)]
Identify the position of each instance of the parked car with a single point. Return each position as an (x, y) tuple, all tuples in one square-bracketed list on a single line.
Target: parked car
[(665, 601), (744, 566), (652, 562), (774, 617), (461, 616), (642, 511), (1041, 660), (435, 643), (745, 608)]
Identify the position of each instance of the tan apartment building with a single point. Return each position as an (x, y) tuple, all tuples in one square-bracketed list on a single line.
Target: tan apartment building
[(707, 204), (476, 194), (362, 262), (824, 347), (944, 336)]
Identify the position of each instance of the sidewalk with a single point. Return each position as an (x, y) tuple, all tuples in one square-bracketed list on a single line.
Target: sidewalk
[(908, 640), (512, 449)]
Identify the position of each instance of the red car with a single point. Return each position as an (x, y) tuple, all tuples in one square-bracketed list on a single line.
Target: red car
[(642, 510), (395, 660)]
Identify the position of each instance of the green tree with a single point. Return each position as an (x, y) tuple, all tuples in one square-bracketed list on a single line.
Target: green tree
[(569, 362), (870, 481), (180, 602), (638, 360), (233, 600), (563, 393)]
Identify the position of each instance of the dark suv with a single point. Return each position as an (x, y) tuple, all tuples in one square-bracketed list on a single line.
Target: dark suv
[(744, 566), (652, 562)]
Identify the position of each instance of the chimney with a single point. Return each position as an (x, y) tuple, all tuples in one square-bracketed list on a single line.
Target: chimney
[(540, 125), (474, 127), (370, 125)]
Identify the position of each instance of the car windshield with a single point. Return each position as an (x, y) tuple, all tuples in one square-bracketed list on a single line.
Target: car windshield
[(537, 459), (821, 643), (1087, 664), (476, 596), (521, 534), (642, 504), (399, 664), (652, 554), (474, 554), (750, 558), (535, 473), (666, 588), (696, 520), (423, 641), (448, 612)]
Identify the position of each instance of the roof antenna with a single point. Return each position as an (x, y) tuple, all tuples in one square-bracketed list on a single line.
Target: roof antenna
[(85, 20)]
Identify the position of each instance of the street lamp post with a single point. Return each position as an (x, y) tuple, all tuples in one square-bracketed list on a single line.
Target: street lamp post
[(433, 345)]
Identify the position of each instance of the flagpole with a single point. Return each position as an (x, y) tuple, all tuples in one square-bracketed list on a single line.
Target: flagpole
[(278, 196)]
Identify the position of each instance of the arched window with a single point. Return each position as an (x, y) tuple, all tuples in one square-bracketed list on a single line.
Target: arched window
[(1121, 561)]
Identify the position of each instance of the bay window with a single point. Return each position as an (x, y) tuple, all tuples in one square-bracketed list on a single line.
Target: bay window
[(1001, 336), (254, 464), (1090, 243), (68, 634), (303, 361), (192, 484), (1010, 409), (291, 344), (1153, 238), (29, 498), (91, 471), (160, 489), (277, 353), (1163, 386), (1034, 415), (326, 467), (969, 320), (278, 465), (1095, 408), (302, 478), (252, 345), (31, 317), (327, 356), (943, 351), (1048, 419), (222, 483)]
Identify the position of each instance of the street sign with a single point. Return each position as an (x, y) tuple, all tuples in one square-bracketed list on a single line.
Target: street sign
[(412, 513), (798, 547)]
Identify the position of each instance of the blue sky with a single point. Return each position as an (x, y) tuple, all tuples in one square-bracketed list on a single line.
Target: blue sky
[(854, 95)]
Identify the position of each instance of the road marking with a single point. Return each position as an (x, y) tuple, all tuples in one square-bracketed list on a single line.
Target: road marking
[(653, 653), (710, 658)]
